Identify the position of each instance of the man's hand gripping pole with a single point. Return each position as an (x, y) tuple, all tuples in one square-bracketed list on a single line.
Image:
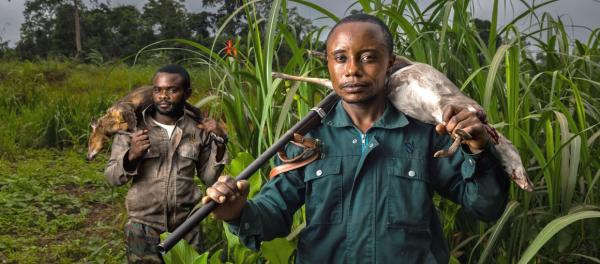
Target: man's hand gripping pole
[(311, 120)]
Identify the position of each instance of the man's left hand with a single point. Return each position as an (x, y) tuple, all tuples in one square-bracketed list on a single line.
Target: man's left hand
[(459, 117), (212, 126)]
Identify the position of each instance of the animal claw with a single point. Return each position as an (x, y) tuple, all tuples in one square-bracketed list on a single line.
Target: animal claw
[(460, 133), (451, 150)]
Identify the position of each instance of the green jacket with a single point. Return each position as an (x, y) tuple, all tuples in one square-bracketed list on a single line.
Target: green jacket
[(369, 198)]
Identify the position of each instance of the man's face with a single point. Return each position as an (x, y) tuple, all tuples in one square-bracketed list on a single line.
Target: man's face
[(168, 94), (358, 60)]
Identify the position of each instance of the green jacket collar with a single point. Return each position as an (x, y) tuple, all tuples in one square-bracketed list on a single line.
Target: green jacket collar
[(391, 118)]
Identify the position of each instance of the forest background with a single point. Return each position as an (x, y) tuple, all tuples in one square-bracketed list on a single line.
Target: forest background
[(75, 58)]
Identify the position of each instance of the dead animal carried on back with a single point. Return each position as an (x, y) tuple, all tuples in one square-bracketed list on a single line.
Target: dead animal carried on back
[(122, 118), (422, 92)]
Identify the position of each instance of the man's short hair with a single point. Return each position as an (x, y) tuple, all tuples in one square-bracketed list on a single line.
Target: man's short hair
[(177, 69), (387, 35)]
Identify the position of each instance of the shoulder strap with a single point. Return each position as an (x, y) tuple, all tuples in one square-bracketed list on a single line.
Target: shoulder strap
[(311, 152)]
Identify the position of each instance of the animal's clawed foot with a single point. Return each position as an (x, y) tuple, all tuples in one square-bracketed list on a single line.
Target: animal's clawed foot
[(459, 135), (464, 135)]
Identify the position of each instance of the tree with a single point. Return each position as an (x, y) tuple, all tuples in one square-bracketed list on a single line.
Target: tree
[(167, 18), (128, 31), (77, 22), (67, 28), (48, 24), (201, 26), (3, 47), (36, 31), (225, 9)]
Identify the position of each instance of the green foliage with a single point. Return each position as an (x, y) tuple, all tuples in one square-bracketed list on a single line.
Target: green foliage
[(183, 253), (551, 229), (56, 207), (116, 32), (278, 250), (238, 164), (540, 89), (540, 93), (50, 104), (535, 89)]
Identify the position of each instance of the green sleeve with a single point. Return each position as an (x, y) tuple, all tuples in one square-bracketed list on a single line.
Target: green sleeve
[(270, 213), (478, 182)]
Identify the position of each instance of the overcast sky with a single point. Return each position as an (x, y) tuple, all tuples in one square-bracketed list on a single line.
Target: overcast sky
[(585, 14)]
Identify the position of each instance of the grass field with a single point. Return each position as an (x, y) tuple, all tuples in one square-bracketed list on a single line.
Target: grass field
[(56, 207)]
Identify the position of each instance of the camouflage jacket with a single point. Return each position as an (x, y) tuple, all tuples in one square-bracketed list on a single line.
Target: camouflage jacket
[(163, 191)]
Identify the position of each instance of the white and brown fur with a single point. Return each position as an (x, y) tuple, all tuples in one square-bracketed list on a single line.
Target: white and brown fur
[(122, 118), (422, 92)]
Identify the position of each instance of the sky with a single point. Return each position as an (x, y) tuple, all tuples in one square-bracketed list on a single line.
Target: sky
[(585, 14)]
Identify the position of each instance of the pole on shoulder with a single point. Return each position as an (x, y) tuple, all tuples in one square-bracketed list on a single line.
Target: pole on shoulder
[(311, 120)]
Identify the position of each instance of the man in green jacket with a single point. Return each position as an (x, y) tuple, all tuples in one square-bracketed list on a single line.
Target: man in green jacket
[(369, 199)]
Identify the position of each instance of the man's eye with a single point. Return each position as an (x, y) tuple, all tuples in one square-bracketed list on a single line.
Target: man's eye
[(340, 58), (155, 90), (172, 90), (368, 58)]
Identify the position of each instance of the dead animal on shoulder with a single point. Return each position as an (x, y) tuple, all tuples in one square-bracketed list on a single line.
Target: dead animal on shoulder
[(422, 92), (122, 117)]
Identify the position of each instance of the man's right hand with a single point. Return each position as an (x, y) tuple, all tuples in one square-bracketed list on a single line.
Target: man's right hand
[(139, 145), (230, 195)]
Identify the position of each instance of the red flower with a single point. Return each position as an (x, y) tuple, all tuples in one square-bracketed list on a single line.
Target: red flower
[(230, 49)]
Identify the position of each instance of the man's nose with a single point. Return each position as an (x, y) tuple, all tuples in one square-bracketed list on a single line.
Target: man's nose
[(162, 94), (352, 68)]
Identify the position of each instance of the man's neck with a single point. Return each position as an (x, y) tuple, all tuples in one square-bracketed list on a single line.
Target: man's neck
[(166, 119), (364, 115)]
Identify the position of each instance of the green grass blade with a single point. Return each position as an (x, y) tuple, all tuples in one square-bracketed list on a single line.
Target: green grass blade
[(489, 246), (442, 40), (491, 77), (551, 229), (318, 8)]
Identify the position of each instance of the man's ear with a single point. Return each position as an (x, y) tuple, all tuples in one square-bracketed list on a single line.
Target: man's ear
[(187, 93), (392, 61), (390, 65)]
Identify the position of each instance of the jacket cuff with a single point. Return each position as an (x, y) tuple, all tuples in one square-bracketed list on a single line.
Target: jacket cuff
[(246, 228), (488, 158), (121, 164)]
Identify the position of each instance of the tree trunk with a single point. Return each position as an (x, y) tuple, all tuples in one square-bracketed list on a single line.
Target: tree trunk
[(77, 28)]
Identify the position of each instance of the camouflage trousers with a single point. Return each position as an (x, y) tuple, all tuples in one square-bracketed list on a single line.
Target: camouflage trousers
[(142, 242)]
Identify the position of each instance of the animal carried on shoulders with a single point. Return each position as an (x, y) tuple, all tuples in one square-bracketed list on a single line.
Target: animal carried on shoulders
[(422, 92), (122, 117)]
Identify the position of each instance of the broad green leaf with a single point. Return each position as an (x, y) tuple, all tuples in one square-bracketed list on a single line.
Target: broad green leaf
[(278, 250), (183, 253), (216, 257), (238, 164)]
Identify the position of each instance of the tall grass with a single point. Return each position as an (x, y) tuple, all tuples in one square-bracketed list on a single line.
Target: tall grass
[(545, 102), (51, 103), (539, 88)]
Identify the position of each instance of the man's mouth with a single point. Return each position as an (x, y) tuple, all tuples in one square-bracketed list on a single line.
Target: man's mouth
[(354, 87), (164, 105)]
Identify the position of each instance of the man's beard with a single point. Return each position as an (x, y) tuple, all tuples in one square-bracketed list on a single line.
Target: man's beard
[(176, 110), (363, 101)]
